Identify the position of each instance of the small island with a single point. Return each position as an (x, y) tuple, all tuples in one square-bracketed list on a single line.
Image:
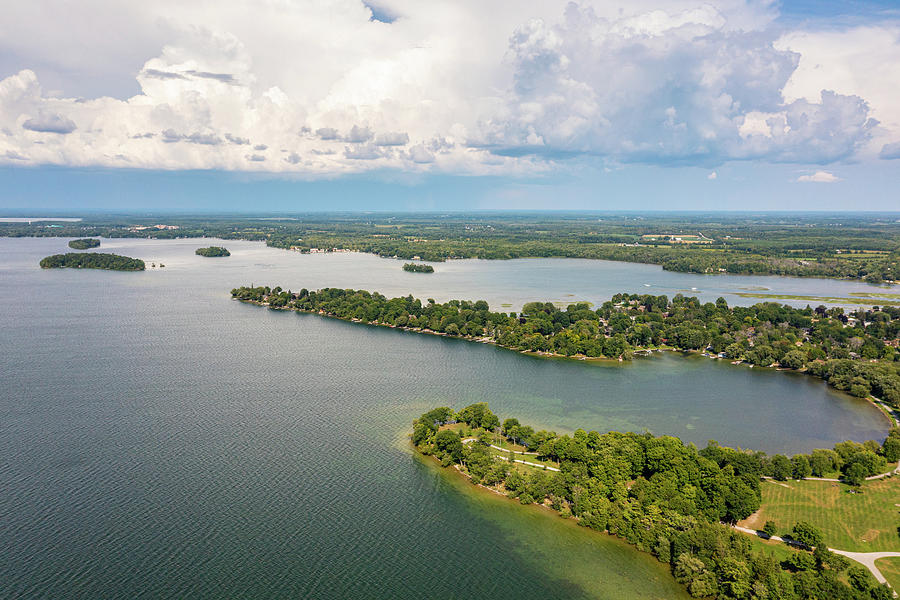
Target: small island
[(212, 252), (84, 244), (92, 260), (418, 268)]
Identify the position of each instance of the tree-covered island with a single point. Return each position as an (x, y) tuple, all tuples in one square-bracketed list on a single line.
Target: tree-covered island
[(855, 352), (92, 260), (84, 244), (212, 251), (418, 268), (662, 496)]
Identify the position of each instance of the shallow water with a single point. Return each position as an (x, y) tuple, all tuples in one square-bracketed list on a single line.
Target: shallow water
[(158, 439)]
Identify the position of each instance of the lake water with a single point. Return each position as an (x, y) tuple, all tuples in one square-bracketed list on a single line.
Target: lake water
[(159, 440)]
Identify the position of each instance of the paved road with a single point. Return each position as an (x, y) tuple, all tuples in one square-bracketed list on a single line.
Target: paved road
[(894, 471), (867, 559)]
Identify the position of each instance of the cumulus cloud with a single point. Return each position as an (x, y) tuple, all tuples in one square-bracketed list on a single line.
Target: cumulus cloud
[(890, 151), (819, 177), (328, 133), (420, 154), (359, 134), (240, 141), (508, 87), (206, 139), (363, 152), (49, 123), (392, 139)]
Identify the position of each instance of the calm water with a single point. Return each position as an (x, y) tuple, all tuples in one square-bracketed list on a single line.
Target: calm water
[(158, 440)]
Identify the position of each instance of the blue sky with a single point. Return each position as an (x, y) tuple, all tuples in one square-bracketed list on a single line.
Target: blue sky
[(402, 105)]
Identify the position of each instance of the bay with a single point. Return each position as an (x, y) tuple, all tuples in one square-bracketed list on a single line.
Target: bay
[(159, 440)]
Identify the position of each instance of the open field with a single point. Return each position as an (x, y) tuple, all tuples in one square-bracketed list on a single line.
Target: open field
[(863, 522), (890, 568), (865, 300)]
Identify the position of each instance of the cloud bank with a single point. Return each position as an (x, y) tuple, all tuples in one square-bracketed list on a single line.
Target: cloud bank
[(510, 87)]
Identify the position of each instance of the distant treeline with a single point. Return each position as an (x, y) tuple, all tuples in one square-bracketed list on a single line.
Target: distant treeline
[(418, 268), (212, 251), (854, 352), (662, 496), (84, 244), (92, 260), (810, 245)]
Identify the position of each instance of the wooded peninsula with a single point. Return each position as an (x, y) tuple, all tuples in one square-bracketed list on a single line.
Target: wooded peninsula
[(855, 352), (84, 244), (92, 260), (664, 497)]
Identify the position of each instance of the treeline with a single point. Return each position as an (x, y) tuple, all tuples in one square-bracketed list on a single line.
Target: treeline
[(685, 258), (84, 244), (92, 260), (662, 496), (846, 246), (212, 251), (418, 268), (855, 352)]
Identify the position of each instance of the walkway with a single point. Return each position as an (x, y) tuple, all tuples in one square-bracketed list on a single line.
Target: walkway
[(530, 464), (894, 471), (867, 559)]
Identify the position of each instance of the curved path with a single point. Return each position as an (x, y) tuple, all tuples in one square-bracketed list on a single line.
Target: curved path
[(867, 559), (530, 464), (894, 471)]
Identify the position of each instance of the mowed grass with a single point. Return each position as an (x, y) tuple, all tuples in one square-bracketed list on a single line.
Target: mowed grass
[(890, 568), (864, 522)]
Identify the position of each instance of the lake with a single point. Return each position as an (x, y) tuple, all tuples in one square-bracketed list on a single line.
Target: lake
[(159, 440)]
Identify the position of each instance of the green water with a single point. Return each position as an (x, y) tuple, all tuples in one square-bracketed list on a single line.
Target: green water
[(158, 440)]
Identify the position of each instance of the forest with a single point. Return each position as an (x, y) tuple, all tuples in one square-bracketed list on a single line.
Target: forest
[(662, 496), (855, 352), (864, 246), (212, 251), (92, 260), (84, 244)]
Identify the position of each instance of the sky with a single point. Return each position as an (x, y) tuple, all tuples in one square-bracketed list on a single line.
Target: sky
[(280, 105)]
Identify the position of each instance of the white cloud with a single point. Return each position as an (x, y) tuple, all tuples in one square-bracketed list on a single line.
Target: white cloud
[(507, 87), (819, 177), (712, 176)]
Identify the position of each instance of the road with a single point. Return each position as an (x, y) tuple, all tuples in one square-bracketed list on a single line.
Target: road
[(867, 559)]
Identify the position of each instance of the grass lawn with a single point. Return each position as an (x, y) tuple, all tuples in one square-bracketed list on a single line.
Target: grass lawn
[(527, 458), (780, 550), (865, 522), (890, 568)]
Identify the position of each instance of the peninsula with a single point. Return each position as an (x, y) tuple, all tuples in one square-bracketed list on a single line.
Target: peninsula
[(212, 251), (84, 244), (92, 260), (855, 352), (672, 500)]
